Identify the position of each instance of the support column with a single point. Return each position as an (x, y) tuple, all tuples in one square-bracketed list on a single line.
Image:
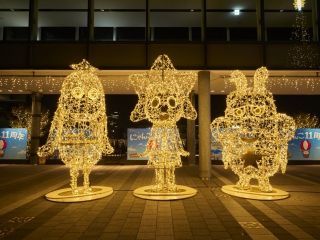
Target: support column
[(191, 136), (260, 20), (204, 124), (35, 127), (90, 22), (315, 20), (33, 20)]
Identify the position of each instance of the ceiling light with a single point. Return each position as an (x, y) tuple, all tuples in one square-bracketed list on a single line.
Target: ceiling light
[(236, 12)]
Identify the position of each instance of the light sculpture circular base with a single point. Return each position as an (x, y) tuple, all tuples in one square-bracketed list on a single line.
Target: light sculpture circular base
[(65, 194), (255, 193), (148, 193)]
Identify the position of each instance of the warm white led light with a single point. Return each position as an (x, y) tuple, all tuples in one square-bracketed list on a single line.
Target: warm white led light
[(254, 137), (163, 100), (79, 127), (236, 12), (299, 4)]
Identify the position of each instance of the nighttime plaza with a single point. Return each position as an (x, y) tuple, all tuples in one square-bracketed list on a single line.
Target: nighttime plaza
[(159, 119), (211, 214)]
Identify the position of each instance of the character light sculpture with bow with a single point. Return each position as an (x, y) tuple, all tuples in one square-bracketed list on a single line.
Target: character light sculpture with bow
[(79, 131), (254, 137), (163, 100)]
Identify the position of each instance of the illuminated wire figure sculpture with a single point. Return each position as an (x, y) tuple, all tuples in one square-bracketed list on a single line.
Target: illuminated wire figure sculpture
[(79, 130), (163, 100), (254, 137)]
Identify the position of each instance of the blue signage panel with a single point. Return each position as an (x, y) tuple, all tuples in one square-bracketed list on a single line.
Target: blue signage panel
[(13, 143), (137, 142), (305, 145), (216, 149)]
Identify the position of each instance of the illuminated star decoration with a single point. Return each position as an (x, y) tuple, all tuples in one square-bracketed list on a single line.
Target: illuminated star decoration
[(254, 137), (79, 127), (163, 100), (299, 4)]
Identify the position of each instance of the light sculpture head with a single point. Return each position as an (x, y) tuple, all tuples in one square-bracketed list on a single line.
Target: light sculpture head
[(81, 114), (82, 95), (253, 135), (163, 94)]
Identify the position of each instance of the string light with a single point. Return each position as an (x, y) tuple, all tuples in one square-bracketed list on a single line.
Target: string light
[(254, 137), (276, 84), (79, 126), (51, 85), (307, 120), (163, 100), (30, 84)]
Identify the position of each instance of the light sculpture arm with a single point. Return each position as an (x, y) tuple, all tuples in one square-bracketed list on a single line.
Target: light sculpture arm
[(108, 149), (53, 138)]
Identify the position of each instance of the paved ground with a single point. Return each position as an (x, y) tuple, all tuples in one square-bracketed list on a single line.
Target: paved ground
[(211, 214)]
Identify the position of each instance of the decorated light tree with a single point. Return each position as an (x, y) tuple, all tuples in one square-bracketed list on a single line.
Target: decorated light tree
[(302, 54), (22, 118), (307, 120), (163, 100), (79, 132), (254, 137)]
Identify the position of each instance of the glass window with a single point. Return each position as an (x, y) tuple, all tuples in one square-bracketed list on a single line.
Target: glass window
[(120, 20), (176, 4), (103, 33), (57, 33), (231, 20), (175, 20), (14, 20), (63, 4), (16, 33), (232, 4), (120, 4), (61, 20)]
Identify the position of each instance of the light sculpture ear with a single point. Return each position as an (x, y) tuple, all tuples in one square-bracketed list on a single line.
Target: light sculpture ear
[(239, 79), (140, 83), (188, 110), (260, 79), (138, 112)]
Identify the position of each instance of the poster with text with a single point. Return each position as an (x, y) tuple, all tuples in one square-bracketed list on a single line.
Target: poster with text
[(137, 142), (216, 149), (305, 145), (13, 143)]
